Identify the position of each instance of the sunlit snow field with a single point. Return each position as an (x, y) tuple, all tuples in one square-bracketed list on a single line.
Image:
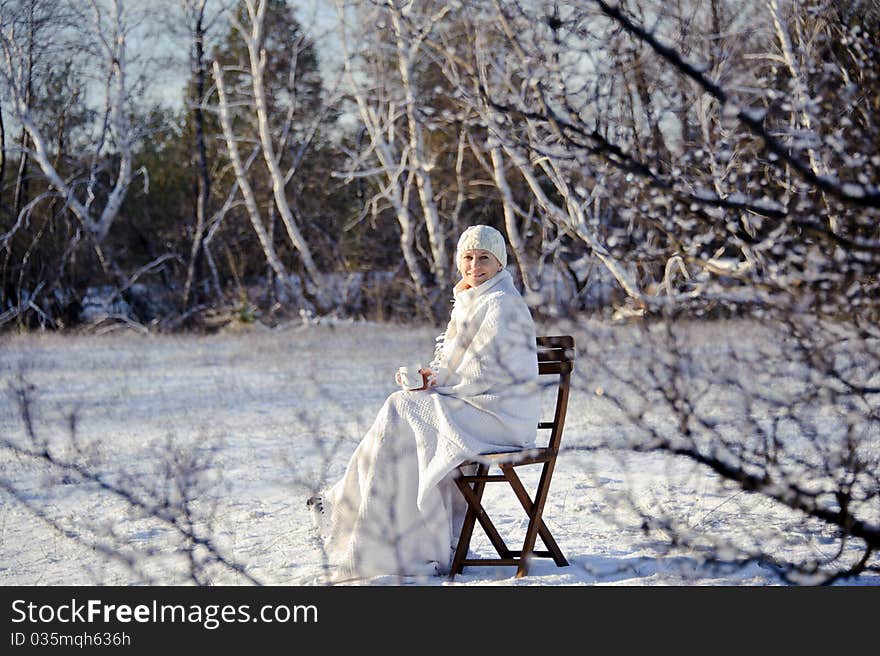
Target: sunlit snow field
[(277, 413)]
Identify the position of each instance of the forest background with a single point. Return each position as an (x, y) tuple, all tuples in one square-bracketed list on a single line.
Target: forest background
[(195, 162)]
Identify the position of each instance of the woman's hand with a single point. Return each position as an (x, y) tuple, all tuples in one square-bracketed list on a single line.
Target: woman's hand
[(427, 383)]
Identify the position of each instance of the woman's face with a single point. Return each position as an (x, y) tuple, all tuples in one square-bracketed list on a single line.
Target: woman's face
[(477, 266)]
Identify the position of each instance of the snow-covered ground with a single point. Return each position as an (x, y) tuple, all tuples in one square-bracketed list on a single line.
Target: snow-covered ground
[(272, 414)]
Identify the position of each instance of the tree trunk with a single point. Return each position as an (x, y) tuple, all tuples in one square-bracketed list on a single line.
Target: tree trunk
[(123, 133), (513, 236), (247, 192), (392, 167), (20, 198), (257, 58), (802, 120), (2, 150), (420, 166), (203, 179)]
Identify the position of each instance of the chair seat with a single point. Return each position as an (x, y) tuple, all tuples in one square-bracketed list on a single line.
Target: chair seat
[(520, 457)]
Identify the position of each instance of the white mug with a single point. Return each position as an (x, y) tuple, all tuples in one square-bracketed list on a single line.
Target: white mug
[(410, 377)]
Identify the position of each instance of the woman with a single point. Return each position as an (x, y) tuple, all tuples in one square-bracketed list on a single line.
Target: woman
[(396, 509)]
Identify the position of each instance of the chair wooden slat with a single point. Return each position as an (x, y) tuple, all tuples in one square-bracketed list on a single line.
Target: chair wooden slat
[(549, 368), (554, 341), (491, 561), (556, 355)]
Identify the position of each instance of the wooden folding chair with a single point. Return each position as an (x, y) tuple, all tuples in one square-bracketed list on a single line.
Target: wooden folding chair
[(555, 358)]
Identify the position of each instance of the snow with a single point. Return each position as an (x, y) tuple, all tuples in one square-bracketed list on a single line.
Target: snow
[(854, 190), (275, 413)]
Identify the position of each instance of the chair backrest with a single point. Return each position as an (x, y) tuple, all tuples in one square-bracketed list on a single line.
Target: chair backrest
[(556, 356)]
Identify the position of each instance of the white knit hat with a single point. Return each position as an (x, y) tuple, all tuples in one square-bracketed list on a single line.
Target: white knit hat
[(485, 238)]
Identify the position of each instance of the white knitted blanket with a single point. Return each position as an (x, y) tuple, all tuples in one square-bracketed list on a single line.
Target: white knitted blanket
[(396, 506), (486, 369)]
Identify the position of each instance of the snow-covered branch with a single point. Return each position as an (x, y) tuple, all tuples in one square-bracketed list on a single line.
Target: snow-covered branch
[(847, 191)]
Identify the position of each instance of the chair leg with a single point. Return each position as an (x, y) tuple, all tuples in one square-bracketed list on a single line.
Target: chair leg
[(470, 518), (523, 496), (529, 542), (534, 510), (482, 516)]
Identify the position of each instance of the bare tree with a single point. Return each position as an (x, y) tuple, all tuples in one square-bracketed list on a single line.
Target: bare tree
[(409, 32), (259, 107), (728, 205), (195, 10), (242, 178), (110, 31), (486, 68), (779, 418), (253, 38), (75, 40), (2, 147), (378, 113), (27, 76), (389, 78)]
